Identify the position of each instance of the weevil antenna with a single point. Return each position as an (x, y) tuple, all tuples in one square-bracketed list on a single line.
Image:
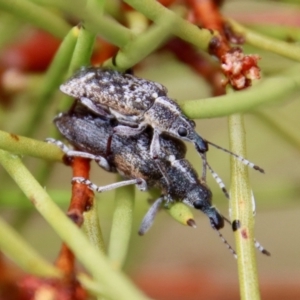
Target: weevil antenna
[(214, 175), (228, 222), (260, 248), (204, 165), (237, 225), (225, 241), (238, 157)]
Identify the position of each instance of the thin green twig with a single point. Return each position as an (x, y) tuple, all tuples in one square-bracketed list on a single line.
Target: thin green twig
[(93, 260), (141, 46), (11, 198), (17, 249), (81, 57), (279, 31), (267, 43), (92, 227), (267, 91), (36, 15), (160, 15), (51, 81), (17, 144), (108, 28), (242, 212), (121, 226)]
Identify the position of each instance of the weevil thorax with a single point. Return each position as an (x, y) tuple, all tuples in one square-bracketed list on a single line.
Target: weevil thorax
[(122, 93), (166, 116), (181, 177)]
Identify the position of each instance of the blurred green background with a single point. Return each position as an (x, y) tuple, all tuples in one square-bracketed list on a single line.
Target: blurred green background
[(171, 250)]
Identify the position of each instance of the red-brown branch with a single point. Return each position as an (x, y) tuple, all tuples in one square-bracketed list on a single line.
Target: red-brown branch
[(239, 69), (187, 54)]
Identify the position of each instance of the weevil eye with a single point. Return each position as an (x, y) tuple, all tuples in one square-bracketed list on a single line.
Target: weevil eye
[(198, 204), (182, 131)]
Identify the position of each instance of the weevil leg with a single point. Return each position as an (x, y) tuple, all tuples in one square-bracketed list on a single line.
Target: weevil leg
[(150, 215), (155, 145), (101, 161), (128, 131), (97, 109), (140, 183)]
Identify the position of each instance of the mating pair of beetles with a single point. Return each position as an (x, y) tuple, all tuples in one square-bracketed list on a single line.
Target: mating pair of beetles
[(129, 125)]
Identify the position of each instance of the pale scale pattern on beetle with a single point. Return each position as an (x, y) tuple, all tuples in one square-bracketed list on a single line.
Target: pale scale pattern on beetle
[(127, 94)]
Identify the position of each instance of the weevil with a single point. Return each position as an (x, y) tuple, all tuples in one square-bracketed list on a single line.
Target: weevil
[(93, 136), (129, 155), (137, 103)]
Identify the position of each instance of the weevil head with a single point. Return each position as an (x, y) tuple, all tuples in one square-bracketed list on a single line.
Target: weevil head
[(76, 85), (184, 129), (166, 116), (200, 197)]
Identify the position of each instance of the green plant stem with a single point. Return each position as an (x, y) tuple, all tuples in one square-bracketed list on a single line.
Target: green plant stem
[(108, 29), (83, 50), (92, 286), (121, 226), (241, 210), (10, 198), (51, 81), (92, 228), (267, 91), (267, 43), (281, 32), (17, 249), (93, 260), (25, 146), (275, 123), (81, 57), (95, 21), (141, 46), (185, 30), (36, 15)]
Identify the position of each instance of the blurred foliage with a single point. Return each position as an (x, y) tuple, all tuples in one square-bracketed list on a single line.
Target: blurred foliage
[(32, 66)]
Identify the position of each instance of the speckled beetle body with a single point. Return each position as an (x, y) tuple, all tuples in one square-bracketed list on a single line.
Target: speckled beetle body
[(135, 102), (131, 158)]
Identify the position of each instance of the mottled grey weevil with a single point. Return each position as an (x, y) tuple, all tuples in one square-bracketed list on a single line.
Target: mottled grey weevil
[(135, 102)]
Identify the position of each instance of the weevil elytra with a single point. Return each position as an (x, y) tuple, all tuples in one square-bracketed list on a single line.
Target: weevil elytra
[(129, 155)]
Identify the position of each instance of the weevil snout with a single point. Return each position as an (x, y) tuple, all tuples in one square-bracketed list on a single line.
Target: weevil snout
[(216, 219), (200, 144)]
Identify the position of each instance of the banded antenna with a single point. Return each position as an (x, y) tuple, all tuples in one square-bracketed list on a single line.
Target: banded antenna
[(225, 241), (257, 244), (260, 248), (238, 157), (214, 175)]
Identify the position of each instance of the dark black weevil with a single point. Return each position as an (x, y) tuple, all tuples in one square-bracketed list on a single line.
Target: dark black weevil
[(129, 155)]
